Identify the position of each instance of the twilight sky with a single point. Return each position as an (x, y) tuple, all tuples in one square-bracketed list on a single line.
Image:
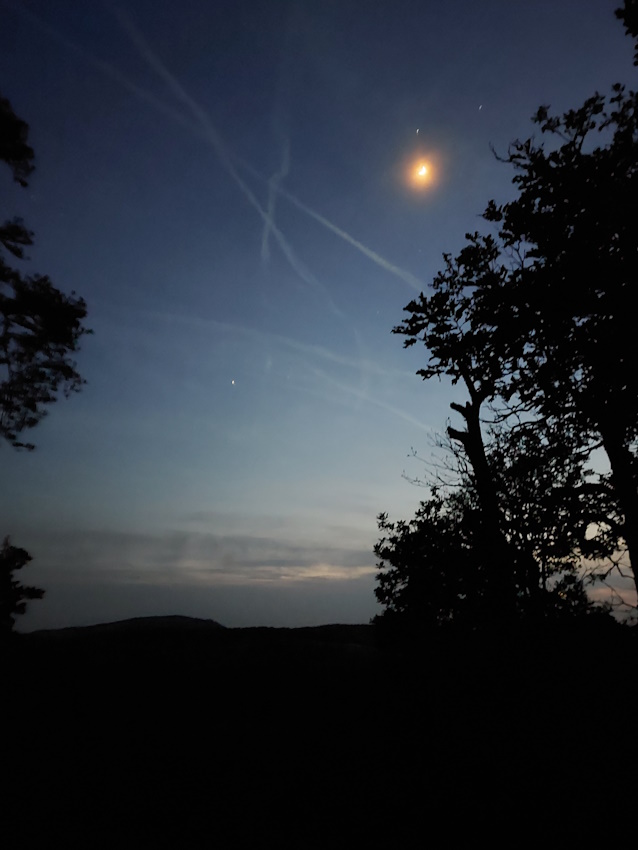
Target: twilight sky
[(226, 183)]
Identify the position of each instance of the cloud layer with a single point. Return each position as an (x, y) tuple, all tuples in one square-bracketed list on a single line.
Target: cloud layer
[(239, 580)]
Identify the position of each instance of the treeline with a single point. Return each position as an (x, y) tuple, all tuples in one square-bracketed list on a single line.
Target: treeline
[(535, 323)]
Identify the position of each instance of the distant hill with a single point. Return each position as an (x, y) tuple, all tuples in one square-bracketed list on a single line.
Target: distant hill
[(169, 623), (144, 642)]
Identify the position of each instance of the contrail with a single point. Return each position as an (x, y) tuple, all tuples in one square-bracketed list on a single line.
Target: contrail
[(365, 397), (227, 160), (406, 276), (106, 68), (220, 149), (273, 188), (306, 348), (316, 352)]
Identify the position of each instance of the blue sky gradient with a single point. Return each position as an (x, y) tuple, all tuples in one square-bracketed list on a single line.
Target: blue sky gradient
[(248, 412)]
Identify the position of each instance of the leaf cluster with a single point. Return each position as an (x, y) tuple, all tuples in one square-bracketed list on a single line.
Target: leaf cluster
[(572, 296), (40, 327), (13, 595)]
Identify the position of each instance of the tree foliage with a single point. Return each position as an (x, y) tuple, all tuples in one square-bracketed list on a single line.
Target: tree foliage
[(40, 327), (13, 595), (40, 330), (462, 563), (430, 574), (628, 14), (570, 351), (14, 149)]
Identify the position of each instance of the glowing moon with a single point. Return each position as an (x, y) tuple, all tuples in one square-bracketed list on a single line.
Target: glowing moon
[(420, 170), (420, 174)]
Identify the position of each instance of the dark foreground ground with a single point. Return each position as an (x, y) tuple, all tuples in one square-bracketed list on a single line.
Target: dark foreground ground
[(171, 731)]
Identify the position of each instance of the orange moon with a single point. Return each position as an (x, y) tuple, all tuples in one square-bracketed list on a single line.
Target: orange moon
[(420, 174), (420, 171)]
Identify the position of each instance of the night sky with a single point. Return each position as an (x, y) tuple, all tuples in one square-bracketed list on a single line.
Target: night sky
[(229, 186)]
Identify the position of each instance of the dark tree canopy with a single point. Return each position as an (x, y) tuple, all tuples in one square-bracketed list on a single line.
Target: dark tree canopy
[(567, 314), (40, 327), (440, 568), (14, 149), (13, 595), (533, 504), (628, 14), (573, 225), (429, 571)]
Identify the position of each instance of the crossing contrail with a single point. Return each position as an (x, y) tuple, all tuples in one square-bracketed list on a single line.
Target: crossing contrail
[(229, 161), (273, 188), (406, 276), (222, 153)]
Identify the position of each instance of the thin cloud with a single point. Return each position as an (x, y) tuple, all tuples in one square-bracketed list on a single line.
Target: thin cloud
[(205, 126), (189, 557), (366, 397), (317, 351), (227, 161), (210, 131), (411, 280), (106, 68)]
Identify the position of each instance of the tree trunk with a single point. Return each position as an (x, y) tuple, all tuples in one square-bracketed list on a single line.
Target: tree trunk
[(623, 463), (497, 556)]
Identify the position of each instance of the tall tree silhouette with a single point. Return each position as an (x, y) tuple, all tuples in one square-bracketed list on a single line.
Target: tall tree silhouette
[(540, 321), (528, 500), (458, 347), (437, 569), (40, 327)]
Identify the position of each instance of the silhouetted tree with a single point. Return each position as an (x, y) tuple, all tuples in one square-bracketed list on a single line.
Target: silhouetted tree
[(438, 570), (14, 149), (13, 595), (524, 471), (628, 14), (564, 323), (527, 496), (539, 323), (549, 501), (459, 348), (430, 572), (40, 327)]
